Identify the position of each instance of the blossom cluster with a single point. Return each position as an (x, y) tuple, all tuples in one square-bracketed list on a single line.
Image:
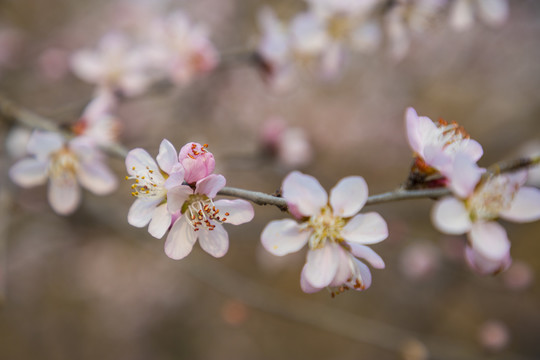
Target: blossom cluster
[(171, 49), (321, 37)]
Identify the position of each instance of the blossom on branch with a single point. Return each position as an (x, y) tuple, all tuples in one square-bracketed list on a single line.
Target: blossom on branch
[(200, 217), (475, 209), (335, 234), (65, 164), (197, 161)]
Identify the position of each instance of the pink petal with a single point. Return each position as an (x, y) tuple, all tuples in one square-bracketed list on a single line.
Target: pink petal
[(345, 266), (87, 65), (197, 166), (367, 228), (473, 149), (140, 213), (180, 240), (282, 237), (42, 144), (215, 242), (177, 196), (140, 159), (363, 275), (64, 195), (97, 177), (176, 178), (240, 211), (464, 175), (210, 185), (368, 254), (322, 265), (489, 239), (161, 221), (418, 129), (29, 172), (304, 193), (486, 266), (349, 196), (305, 285), (525, 206), (167, 157), (450, 216)]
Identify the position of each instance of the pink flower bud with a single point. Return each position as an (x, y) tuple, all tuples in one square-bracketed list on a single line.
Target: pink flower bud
[(197, 161)]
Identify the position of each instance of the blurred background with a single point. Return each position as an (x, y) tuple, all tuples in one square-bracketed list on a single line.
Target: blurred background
[(89, 286)]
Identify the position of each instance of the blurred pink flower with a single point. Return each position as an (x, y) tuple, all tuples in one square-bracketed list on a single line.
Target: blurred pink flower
[(65, 164), (478, 205), (334, 234), (197, 161), (463, 12), (519, 276), (289, 144), (97, 122), (494, 335), (153, 181), (419, 260), (202, 218), (53, 63)]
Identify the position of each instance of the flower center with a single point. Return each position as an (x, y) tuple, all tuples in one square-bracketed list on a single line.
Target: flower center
[(64, 164), (491, 198), (325, 227), (451, 135), (197, 151), (148, 183), (200, 212)]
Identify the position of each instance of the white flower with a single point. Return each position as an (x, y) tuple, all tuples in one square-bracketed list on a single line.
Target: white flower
[(97, 122), (334, 234), (65, 164), (492, 12), (152, 182)]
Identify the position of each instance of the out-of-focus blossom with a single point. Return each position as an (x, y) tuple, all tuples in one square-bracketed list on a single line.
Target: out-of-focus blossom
[(336, 235), (478, 205), (519, 276), (153, 181), (17, 142), (65, 164), (182, 49), (197, 162), (115, 66), (419, 260), (494, 335), (202, 218), (53, 63), (11, 43), (97, 122), (492, 12), (289, 144)]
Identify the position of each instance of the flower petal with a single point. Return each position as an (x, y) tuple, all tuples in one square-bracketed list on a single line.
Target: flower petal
[(29, 172), (322, 265), (490, 240), (177, 196), (180, 240), (473, 149), (464, 175), (282, 237), (345, 266), (450, 216), (525, 206), (349, 196), (486, 266), (42, 144), (97, 177), (305, 285), (161, 221), (367, 228), (418, 129), (210, 185), (140, 159), (368, 254), (140, 213), (167, 157), (64, 195), (363, 275), (176, 178), (240, 211), (304, 193), (214, 242)]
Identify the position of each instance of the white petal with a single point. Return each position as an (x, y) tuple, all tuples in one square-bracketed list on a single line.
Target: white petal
[(210, 185), (304, 193), (419, 130), (140, 159), (140, 213), (345, 267), (167, 156), (349, 196), (525, 206), (87, 65), (215, 242), (490, 240), (97, 177), (305, 285), (29, 172), (64, 195), (363, 275), (180, 240), (321, 265), (493, 12), (461, 15), (177, 196), (281, 237), (473, 149), (368, 254), (450, 216), (161, 221), (464, 175), (367, 228), (240, 211), (176, 178), (42, 144)]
